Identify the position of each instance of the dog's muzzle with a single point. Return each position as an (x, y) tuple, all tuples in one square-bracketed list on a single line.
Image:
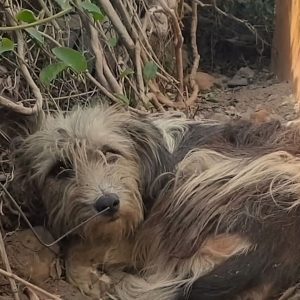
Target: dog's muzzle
[(110, 201)]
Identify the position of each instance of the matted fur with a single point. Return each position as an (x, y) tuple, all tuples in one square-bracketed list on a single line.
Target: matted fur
[(212, 213), (205, 208)]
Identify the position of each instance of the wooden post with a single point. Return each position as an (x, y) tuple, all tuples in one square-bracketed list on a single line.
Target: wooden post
[(286, 43)]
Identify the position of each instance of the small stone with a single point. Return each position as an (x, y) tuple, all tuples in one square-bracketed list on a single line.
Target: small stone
[(220, 117), (204, 81), (246, 72), (237, 81)]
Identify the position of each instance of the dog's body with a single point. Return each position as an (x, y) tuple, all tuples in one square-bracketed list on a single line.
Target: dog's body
[(206, 220)]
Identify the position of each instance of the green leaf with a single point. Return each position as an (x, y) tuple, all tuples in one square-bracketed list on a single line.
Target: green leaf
[(123, 98), (64, 4), (94, 10), (26, 15), (126, 72), (50, 72), (35, 34), (71, 58), (6, 45), (150, 71), (113, 41)]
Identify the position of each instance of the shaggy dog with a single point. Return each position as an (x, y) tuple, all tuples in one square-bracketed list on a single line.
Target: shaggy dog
[(196, 210)]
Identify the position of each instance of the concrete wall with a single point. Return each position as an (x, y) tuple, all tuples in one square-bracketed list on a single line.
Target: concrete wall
[(286, 43)]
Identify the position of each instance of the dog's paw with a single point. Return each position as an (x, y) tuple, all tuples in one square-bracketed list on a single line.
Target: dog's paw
[(91, 283)]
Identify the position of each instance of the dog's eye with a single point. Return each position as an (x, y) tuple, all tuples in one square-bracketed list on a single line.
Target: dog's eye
[(111, 157), (62, 169)]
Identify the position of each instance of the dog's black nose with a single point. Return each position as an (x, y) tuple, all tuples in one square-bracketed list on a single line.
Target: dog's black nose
[(110, 201)]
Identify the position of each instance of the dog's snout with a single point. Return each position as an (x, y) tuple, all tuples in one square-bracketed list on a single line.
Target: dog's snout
[(110, 201)]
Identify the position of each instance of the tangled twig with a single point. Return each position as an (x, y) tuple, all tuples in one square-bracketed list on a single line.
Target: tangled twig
[(116, 21), (178, 44), (8, 268), (32, 286), (21, 60), (19, 108)]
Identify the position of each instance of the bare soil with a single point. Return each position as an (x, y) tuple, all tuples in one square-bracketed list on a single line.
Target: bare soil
[(33, 262), (272, 96)]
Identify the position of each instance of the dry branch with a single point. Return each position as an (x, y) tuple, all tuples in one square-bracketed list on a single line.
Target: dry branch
[(39, 22), (161, 97), (35, 89), (139, 74), (21, 60), (178, 40), (196, 55), (98, 52), (118, 25), (32, 286), (126, 20), (19, 108), (8, 268), (102, 88)]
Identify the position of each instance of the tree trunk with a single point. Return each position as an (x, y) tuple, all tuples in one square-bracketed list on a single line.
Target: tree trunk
[(286, 43)]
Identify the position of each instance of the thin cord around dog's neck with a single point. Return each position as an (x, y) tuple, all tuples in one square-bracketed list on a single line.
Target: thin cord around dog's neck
[(32, 229)]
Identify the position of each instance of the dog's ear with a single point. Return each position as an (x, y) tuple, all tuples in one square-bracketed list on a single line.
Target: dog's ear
[(22, 186), (154, 157), (15, 144), (16, 128), (14, 125)]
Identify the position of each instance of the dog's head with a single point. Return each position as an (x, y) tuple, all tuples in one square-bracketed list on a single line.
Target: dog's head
[(90, 160), (79, 164)]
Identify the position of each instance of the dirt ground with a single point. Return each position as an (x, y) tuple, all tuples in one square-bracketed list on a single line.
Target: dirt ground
[(276, 98), (32, 262)]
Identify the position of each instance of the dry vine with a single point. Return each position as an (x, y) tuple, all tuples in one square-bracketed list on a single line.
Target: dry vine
[(111, 63)]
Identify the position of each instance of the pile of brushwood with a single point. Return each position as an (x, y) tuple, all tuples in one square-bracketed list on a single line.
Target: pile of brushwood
[(54, 54)]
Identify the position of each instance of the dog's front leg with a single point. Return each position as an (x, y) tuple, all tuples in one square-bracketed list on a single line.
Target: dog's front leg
[(84, 258), (82, 261)]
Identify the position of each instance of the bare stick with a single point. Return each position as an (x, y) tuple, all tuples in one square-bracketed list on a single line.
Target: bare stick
[(102, 88), (30, 293), (8, 268), (194, 95), (32, 286), (139, 73), (39, 22), (36, 91), (155, 102), (21, 59), (116, 21), (161, 97), (98, 52), (110, 77), (196, 55), (178, 43), (119, 6), (194, 38), (19, 108)]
